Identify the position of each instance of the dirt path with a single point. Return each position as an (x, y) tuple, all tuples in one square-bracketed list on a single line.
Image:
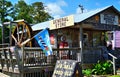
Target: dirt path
[(3, 75)]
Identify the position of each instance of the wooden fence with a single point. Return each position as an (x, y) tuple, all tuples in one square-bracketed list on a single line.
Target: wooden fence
[(32, 62)]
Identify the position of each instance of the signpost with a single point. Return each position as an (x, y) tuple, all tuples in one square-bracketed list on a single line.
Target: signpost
[(67, 68)]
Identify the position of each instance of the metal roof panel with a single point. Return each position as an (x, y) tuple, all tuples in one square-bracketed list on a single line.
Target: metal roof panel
[(81, 17), (77, 18), (40, 26)]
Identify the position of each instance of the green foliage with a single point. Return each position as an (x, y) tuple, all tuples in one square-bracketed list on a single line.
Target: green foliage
[(6, 8), (102, 68), (38, 12), (22, 11), (87, 72), (6, 34), (106, 36), (34, 13), (0, 35)]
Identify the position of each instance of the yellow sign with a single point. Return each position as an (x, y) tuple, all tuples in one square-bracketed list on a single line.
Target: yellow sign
[(62, 22)]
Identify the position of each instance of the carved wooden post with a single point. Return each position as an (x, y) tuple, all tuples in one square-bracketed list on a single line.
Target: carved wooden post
[(22, 64), (81, 43), (18, 56)]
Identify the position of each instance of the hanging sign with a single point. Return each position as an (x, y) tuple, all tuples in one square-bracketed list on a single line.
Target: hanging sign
[(109, 19), (62, 22)]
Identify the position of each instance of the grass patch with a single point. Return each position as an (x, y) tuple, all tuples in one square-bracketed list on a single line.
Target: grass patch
[(114, 76)]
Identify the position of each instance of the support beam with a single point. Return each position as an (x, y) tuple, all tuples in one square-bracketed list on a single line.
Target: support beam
[(80, 54), (81, 42), (10, 32), (2, 34)]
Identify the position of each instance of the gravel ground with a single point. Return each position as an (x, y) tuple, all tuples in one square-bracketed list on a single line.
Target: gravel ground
[(3, 75)]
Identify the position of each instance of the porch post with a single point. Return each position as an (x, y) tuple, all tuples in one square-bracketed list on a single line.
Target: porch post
[(1, 25), (81, 43), (10, 32), (2, 33)]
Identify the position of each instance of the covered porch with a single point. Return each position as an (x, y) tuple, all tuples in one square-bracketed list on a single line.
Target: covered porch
[(85, 39)]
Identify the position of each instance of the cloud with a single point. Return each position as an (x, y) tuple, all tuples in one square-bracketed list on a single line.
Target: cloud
[(28, 1), (55, 9), (31, 1), (56, 16), (62, 3)]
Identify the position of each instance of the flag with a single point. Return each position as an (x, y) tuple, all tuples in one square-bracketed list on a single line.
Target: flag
[(44, 41)]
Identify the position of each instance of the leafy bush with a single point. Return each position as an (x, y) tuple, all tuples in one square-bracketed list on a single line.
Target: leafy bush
[(87, 72), (102, 68)]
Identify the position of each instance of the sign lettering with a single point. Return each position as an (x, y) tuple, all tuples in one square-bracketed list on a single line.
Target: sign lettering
[(62, 22), (109, 19), (66, 68)]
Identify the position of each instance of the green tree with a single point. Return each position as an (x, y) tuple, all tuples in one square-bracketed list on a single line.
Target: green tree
[(34, 13), (6, 10), (22, 11), (38, 12), (0, 35)]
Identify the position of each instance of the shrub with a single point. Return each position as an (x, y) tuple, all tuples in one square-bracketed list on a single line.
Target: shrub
[(102, 68), (87, 72)]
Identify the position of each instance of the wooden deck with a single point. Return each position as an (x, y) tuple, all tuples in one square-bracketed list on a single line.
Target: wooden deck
[(32, 62)]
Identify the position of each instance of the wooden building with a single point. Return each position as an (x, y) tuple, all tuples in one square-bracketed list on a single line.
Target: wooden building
[(86, 30), (89, 27), (83, 36)]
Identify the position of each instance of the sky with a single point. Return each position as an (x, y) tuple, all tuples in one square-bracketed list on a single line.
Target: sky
[(61, 8)]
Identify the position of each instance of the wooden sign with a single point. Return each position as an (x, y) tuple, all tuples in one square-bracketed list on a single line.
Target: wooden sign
[(67, 68), (109, 19), (62, 22)]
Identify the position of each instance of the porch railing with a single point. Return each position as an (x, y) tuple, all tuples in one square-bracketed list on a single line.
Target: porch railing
[(32, 62), (113, 62)]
